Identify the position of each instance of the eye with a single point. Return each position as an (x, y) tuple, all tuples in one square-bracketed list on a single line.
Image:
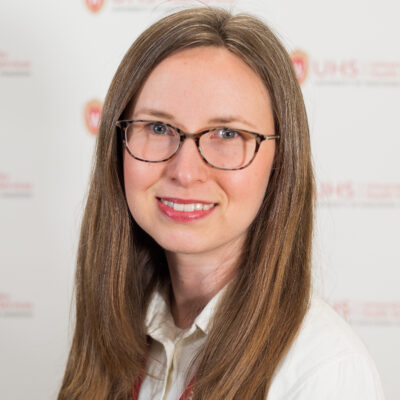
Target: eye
[(158, 128), (226, 133)]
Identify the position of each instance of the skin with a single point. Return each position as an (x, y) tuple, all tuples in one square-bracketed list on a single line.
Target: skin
[(196, 89)]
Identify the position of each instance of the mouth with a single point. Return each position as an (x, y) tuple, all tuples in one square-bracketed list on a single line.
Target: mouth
[(187, 205), (182, 210)]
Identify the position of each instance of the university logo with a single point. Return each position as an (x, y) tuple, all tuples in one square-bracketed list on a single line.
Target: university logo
[(92, 115), (9, 307), (94, 5), (300, 64)]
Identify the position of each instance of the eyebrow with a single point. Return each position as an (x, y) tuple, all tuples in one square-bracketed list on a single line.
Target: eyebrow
[(216, 120)]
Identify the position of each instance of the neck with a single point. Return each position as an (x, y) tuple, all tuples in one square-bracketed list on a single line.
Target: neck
[(195, 281)]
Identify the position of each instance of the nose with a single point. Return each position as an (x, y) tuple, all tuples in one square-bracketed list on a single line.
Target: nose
[(187, 166)]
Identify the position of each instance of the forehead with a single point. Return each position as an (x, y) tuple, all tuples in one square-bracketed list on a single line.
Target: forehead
[(204, 82)]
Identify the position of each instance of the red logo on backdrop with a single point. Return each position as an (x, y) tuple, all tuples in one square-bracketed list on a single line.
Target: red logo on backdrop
[(94, 5), (369, 312), (300, 64), (345, 71), (14, 187), (92, 114), (143, 5), (352, 193), (10, 307), (11, 66)]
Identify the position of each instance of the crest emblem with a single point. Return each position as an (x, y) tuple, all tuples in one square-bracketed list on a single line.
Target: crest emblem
[(300, 64), (92, 114), (94, 5)]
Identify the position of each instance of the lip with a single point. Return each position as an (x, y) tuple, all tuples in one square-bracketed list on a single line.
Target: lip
[(183, 216)]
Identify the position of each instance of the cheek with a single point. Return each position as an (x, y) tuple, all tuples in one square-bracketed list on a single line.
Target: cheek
[(131, 180), (263, 166), (248, 188), (138, 178), (246, 192)]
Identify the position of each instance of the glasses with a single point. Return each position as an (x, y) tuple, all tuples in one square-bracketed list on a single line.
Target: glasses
[(221, 147)]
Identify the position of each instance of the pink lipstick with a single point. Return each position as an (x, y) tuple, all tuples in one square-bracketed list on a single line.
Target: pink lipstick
[(184, 210)]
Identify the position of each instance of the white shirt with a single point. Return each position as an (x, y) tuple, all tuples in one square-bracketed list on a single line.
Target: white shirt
[(327, 361)]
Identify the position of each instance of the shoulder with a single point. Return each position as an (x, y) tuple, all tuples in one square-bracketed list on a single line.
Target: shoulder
[(326, 361)]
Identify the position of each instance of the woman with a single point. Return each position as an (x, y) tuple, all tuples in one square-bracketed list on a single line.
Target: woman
[(193, 276)]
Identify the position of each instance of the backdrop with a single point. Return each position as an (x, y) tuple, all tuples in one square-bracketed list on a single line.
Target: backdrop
[(57, 59)]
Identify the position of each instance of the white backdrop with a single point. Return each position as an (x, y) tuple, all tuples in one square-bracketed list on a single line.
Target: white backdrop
[(57, 59)]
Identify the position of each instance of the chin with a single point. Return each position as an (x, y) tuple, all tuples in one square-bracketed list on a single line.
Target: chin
[(182, 246)]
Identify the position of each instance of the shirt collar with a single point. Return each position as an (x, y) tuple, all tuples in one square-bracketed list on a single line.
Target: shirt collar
[(159, 319)]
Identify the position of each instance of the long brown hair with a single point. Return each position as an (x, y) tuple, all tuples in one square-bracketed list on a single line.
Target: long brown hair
[(119, 266)]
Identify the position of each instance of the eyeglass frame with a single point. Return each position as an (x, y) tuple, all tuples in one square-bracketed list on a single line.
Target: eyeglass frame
[(124, 124)]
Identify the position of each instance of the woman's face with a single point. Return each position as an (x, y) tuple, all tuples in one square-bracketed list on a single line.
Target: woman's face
[(197, 89)]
